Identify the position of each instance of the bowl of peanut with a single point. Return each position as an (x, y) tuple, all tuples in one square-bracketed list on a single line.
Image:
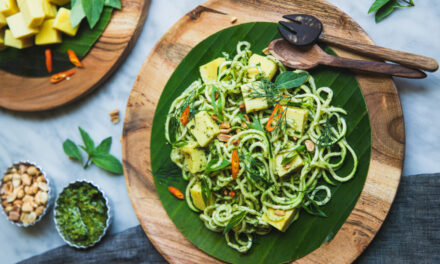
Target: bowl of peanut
[(25, 194)]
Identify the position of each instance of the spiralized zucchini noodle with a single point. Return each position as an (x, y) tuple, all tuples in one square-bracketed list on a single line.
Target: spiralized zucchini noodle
[(284, 165)]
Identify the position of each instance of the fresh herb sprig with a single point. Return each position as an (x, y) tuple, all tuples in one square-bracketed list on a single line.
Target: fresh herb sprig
[(253, 169), (98, 155), (206, 190), (91, 10), (235, 220), (384, 8), (327, 137)]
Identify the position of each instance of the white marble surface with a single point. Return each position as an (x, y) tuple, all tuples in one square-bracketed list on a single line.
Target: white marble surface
[(38, 137)]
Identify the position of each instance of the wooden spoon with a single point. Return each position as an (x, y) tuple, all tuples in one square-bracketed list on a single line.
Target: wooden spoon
[(307, 57)]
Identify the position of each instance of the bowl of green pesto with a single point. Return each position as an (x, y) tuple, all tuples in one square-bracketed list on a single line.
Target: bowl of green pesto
[(82, 214)]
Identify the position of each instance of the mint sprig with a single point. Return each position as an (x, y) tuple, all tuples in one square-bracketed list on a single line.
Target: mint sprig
[(99, 155), (384, 8)]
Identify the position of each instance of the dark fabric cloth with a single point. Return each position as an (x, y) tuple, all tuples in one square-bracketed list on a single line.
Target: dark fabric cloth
[(410, 234)]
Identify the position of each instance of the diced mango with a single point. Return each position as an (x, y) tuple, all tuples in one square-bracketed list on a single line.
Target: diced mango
[(33, 12), (18, 26), (209, 71), (268, 67), (2, 21), (8, 7), (287, 218), (2, 40), (284, 169), (19, 4), (60, 2), (47, 34), (252, 102), (195, 158), (50, 10), (197, 197), (11, 41), (299, 117), (203, 128), (63, 24)]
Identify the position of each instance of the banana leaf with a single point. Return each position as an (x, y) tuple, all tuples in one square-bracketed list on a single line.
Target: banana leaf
[(309, 232), (30, 62)]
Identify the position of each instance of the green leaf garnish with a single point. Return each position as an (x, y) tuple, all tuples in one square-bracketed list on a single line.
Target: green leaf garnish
[(72, 150), (89, 145), (289, 158), (235, 220), (377, 4), (93, 10), (76, 13), (384, 8), (104, 146), (223, 164), (289, 79), (113, 3), (315, 210), (206, 191), (107, 162)]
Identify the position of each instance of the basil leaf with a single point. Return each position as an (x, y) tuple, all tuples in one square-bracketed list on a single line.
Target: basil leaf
[(235, 220), (377, 5), (71, 150), (104, 146), (389, 7), (113, 3), (206, 191), (93, 10), (223, 164), (89, 145), (108, 162), (256, 124), (288, 79), (76, 13)]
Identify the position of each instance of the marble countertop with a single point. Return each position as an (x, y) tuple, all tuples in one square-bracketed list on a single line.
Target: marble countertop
[(38, 136)]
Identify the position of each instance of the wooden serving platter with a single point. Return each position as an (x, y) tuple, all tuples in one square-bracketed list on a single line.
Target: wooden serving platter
[(21, 93), (388, 137)]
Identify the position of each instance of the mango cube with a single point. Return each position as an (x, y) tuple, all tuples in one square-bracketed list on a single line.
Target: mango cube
[(63, 24), (2, 21), (8, 7), (33, 12), (2, 40), (19, 28), (284, 169), (195, 158), (11, 41), (60, 2), (47, 34), (203, 128), (197, 197), (209, 71), (252, 101), (287, 217), (299, 117), (50, 10), (268, 67)]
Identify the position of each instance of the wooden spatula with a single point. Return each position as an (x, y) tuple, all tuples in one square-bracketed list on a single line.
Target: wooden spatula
[(307, 57), (306, 30)]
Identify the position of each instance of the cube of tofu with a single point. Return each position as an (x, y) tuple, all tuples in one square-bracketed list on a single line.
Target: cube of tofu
[(11, 41), (33, 12), (253, 104), (299, 117), (2, 40), (268, 67), (284, 222), (296, 163), (47, 34), (203, 128), (197, 197), (2, 21), (60, 2), (195, 158), (50, 10), (63, 24), (19, 28), (8, 7), (209, 71)]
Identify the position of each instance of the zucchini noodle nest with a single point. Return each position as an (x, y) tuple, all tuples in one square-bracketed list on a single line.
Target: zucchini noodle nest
[(289, 139)]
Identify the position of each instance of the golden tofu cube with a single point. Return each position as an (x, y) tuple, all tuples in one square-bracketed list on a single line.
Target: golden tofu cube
[(2, 40), (8, 7), (33, 12), (195, 158), (60, 2), (2, 21), (18, 26), (287, 218), (299, 117), (252, 102), (11, 41), (197, 197), (47, 34), (268, 67), (209, 71), (50, 10), (203, 128), (63, 24), (284, 169)]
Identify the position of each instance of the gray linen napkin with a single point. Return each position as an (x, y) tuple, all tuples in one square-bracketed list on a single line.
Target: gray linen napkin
[(410, 234)]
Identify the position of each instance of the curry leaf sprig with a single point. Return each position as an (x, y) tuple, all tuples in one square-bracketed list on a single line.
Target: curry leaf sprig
[(91, 10), (384, 8), (98, 155)]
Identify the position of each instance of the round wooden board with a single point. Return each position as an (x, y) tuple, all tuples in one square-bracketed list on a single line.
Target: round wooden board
[(388, 139), (37, 94)]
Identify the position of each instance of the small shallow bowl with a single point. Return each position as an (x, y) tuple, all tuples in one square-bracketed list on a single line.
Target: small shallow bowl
[(107, 223), (49, 193)]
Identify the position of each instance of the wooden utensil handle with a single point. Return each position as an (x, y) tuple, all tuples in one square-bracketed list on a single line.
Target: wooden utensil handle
[(372, 66), (404, 58)]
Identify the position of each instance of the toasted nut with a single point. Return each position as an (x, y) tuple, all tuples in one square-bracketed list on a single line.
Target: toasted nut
[(224, 126), (214, 117), (8, 208), (225, 131), (27, 180), (18, 203), (39, 211), (28, 199), (7, 177), (27, 207), (32, 170), (233, 20), (247, 118), (114, 112), (41, 179), (7, 188), (266, 51), (11, 197), (41, 197), (115, 119), (236, 142), (43, 186), (14, 216), (238, 131), (279, 212), (309, 145), (34, 188), (295, 138), (29, 218), (16, 183), (4, 197), (22, 168), (35, 205), (27, 190), (223, 137), (20, 192), (242, 108), (243, 125)]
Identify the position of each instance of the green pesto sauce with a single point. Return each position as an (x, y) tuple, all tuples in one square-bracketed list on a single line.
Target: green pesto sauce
[(81, 213)]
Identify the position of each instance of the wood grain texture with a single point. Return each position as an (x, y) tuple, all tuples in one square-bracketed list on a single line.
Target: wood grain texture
[(38, 94), (388, 139)]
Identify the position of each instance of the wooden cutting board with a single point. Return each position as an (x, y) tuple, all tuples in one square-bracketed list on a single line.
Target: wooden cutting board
[(388, 137), (21, 93)]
